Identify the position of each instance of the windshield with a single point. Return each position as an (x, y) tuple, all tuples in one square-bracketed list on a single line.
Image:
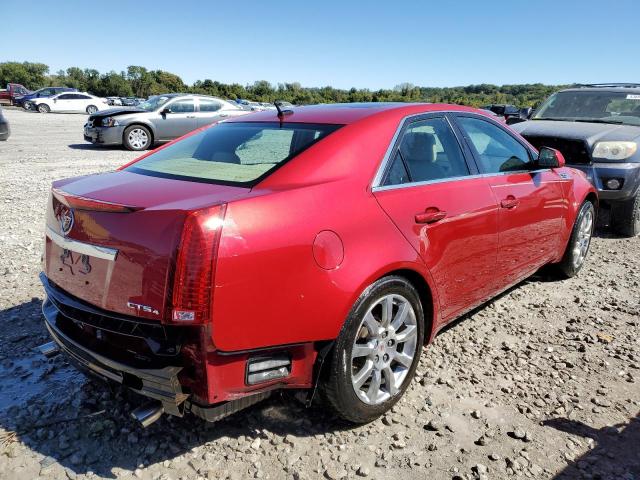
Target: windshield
[(233, 153), (153, 103), (590, 106)]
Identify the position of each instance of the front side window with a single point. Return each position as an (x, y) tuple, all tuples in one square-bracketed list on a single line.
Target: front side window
[(65, 97), (428, 151), (495, 149), (233, 153), (182, 106)]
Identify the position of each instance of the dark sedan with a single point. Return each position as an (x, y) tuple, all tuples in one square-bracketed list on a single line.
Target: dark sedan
[(5, 131)]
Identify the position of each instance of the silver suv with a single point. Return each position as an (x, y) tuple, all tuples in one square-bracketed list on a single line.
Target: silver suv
[(159, 119)]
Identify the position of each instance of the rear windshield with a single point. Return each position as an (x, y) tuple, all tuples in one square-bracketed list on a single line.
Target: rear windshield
[(233, 153)]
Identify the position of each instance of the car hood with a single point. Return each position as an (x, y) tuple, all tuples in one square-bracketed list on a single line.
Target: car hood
[(589, 132), (113, 112)]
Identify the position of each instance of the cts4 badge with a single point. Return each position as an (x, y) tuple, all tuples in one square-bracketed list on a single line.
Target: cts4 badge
[(142, 308)]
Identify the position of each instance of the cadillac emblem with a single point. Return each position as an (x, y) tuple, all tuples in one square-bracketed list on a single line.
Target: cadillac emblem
[(64, 215)]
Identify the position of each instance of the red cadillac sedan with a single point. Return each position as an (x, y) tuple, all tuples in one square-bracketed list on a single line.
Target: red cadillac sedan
[(316, 248)]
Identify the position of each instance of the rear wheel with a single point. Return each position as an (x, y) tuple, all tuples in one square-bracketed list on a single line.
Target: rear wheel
[(377, 351), (91, 109), (578, 246), (625, 217), (137, 137), (43, 108)]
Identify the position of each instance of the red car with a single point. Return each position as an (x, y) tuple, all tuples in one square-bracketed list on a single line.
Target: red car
[(319, 247)]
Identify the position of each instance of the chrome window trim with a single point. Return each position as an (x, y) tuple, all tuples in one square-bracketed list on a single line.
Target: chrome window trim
[(82, 248), (383, 188), (376, 187)]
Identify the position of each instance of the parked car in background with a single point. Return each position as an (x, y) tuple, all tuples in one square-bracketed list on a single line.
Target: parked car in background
[(324, 245), (13, 91), (159, 119), (131, 101), (25, 101), (597, 128), (5, 131), (114, 101), (70, 102), (510, 113)]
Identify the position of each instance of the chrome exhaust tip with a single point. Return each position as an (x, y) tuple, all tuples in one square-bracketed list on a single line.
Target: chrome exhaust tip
[(147, 414), (49, 350)]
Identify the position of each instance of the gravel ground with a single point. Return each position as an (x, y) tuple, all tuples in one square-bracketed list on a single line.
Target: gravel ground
[(543, 382)]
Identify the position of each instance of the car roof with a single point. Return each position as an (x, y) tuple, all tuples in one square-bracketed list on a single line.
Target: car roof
[(347, 113), (613, 88)]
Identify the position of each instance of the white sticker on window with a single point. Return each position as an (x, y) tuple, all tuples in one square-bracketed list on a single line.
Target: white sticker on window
[(633, 97)]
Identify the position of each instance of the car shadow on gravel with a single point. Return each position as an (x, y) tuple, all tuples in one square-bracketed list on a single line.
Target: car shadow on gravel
[(616, 453), (91, 146), (84, 424)]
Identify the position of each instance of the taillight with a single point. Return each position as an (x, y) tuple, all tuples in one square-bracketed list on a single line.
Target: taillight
[(195, 265)]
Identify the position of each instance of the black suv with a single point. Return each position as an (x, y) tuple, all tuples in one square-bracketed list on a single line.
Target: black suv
[(597, 129)]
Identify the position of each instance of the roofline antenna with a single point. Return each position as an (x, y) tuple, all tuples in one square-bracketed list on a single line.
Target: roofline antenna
[(282, 113)]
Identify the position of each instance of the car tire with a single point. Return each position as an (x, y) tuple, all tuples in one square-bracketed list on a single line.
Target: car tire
[(91, 109), (44, 108), (578, 245), (625, 217), (137, 138), (364, 378)]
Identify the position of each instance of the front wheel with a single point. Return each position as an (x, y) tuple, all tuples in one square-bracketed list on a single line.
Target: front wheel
[(625, 217), (91, 109), (578, 246), (377, 351), (137, 138), (43, 108)]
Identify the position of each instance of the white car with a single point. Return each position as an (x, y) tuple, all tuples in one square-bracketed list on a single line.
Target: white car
[(71, 102)]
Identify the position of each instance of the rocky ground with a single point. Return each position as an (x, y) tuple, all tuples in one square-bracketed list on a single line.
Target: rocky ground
[(543, 382)]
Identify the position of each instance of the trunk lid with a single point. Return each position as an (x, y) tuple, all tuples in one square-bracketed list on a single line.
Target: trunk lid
[(122, 260)]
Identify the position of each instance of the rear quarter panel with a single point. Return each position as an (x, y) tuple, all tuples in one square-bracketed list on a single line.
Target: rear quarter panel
[(269, 290)]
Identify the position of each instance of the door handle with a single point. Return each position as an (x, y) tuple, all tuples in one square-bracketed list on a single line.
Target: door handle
[(509, 202), (430, 215), (191, 116), (222, 115)]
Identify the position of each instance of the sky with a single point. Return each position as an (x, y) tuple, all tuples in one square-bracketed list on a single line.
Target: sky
[(344, 44)]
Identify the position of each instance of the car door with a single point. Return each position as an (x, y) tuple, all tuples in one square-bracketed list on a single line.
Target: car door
[(436, 198), (61, 103), (209, 111), (531, 200), (178, 120)]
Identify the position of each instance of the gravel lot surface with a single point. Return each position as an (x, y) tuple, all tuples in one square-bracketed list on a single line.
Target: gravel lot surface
[(543, 382)]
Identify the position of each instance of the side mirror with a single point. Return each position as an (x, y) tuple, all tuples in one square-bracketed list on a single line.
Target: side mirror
[(525, 113), (165, 110), (550, 158)]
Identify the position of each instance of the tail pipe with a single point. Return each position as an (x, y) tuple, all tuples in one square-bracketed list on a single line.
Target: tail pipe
[(147, 414)]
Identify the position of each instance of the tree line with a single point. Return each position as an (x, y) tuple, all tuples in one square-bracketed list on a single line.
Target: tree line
[(141, 82)]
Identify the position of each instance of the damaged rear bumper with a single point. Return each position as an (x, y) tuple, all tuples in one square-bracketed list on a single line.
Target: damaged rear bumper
[(140, 355), (161, 384)]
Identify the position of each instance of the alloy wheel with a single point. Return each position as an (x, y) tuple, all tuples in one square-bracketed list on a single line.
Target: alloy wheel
[(138, 138), (583, 238), (384, 349)]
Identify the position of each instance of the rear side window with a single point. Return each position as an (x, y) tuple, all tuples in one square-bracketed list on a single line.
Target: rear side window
[(428, 151), (233, 153)]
